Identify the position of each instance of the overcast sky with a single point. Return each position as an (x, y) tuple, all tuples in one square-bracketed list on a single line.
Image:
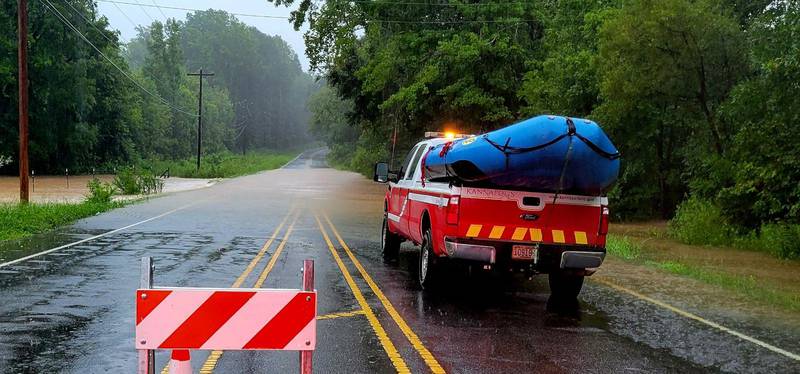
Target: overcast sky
[(124, 17)]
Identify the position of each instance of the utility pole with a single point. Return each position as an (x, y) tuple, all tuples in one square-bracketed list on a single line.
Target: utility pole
[(200, 112), (22, 54)]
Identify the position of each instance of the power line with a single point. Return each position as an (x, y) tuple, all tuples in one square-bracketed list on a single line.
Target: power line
[(369, 20), (135, 25), (65, 21), (453, 21), (159, 10), (439, 3), (145, 11), (102, 32), (189, 9)]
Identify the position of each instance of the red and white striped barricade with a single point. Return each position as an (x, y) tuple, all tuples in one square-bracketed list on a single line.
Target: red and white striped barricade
[(227, 319)]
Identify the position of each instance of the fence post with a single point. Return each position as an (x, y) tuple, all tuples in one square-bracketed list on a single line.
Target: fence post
[(147, 362), (308, 285)]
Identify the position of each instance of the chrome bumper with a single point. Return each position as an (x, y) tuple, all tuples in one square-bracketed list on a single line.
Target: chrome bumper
[(581, 259), (474, 252)]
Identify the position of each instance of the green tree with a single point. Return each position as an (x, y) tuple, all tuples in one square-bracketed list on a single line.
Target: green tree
[(80, 104), (417, 67), (760, 175), (330, 123), (566, 79), (261, 72), (666, 68)]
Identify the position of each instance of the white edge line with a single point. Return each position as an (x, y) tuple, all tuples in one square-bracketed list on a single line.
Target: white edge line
[(697, 318), (293, 160), (21, 259)]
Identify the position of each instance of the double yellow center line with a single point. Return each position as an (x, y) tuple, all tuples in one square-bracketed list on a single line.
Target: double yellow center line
[(214, 356), (387, 344), (391, 350)]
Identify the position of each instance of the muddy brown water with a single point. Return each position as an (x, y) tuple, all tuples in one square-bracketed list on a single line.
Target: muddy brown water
[(50, 188)]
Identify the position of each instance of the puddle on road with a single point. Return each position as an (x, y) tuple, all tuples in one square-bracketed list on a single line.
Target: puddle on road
[(29, 345), (487, 303), (73, 312), (13, 249), (464, 297)]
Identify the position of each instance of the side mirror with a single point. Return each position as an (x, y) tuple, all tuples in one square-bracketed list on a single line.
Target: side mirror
[(381, 173)]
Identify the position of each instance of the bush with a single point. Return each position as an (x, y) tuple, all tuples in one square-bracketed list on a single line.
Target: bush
[(125, 180), (149, 183), (223, 165), (699, 221), (132, 181), (100, 192), (781, 239)]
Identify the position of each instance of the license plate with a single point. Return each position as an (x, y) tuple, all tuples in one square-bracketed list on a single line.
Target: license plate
[(523, 252)]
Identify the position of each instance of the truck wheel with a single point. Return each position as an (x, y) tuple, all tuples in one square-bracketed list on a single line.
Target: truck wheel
[(426, 260), (565, 286), (390, 242)]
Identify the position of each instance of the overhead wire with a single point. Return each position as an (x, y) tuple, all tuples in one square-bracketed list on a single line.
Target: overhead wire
[(440, 3), (69, 24), (102, 32), (159, 10), (115, 2), (126, 16), (510, 20), (144, 11)]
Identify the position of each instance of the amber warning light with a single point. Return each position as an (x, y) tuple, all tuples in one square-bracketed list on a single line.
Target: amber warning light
[(446, 135)]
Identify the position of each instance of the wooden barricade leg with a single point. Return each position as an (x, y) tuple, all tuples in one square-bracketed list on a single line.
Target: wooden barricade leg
[(308, 285)]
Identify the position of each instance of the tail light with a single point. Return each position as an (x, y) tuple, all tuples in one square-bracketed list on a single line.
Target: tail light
[(452, 210), (603, 230)]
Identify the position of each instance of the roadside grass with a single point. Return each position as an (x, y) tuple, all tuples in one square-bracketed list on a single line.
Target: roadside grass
[(748, 286), (224, 165), (623, 247), (701, 222), (21, 220)]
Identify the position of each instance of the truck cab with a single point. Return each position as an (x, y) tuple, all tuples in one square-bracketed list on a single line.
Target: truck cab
[(519, 231)]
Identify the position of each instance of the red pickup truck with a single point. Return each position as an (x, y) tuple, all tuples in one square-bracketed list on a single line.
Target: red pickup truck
[(522, 231)]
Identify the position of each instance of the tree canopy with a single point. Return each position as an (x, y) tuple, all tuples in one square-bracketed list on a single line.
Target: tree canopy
[(134, 101), (699, 95)]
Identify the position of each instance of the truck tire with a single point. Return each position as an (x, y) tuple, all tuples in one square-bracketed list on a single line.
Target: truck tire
[(390, 242), (565, 287), (426, 273)]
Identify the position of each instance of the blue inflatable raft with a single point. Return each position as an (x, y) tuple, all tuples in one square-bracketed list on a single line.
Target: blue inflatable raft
[(544, 154)]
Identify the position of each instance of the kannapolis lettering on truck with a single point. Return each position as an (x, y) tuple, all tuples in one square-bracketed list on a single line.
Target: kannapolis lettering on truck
[(545, 198)]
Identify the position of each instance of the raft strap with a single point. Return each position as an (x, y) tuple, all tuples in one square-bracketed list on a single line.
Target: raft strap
[(507, 149)]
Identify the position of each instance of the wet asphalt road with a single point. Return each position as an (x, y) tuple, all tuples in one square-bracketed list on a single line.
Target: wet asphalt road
[(73, 310)]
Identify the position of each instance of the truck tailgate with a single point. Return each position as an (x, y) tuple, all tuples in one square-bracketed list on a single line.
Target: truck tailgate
[(519, 216)]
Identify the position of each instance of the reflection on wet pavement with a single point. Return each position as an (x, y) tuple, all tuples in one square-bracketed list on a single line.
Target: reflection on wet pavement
[(72, 310), (65, 297)]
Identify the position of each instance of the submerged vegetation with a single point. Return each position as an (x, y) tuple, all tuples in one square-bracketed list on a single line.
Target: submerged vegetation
[(22, 220), (224, 165)]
